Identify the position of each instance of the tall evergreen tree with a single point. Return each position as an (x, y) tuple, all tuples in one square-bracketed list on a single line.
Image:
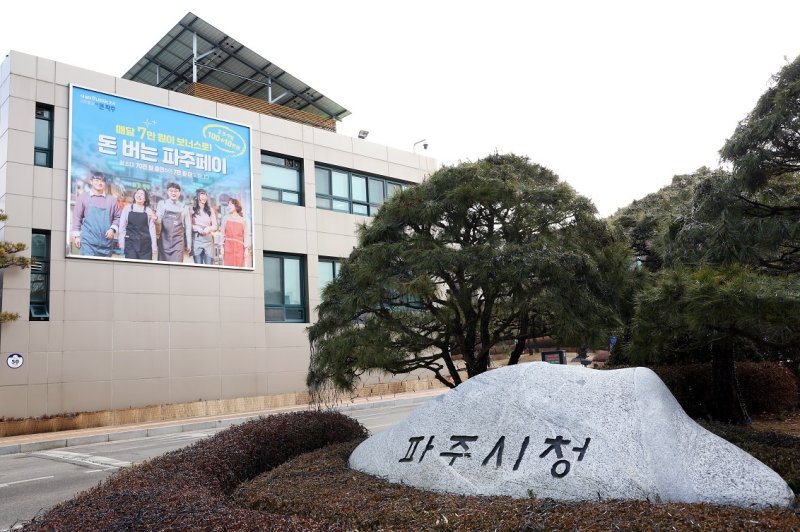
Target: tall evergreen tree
[(729, 251), (481, 253)]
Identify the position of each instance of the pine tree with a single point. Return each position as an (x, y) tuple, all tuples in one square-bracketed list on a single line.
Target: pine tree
[(9, 258), (481, 253)]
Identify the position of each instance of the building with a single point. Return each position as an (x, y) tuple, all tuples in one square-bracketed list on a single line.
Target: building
[(99, 331)]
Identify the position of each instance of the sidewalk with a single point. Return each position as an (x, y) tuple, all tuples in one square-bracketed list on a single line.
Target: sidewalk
[(71, 438)]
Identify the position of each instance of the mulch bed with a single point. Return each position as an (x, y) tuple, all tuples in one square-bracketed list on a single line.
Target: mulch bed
[(319, 486), (276, 473)]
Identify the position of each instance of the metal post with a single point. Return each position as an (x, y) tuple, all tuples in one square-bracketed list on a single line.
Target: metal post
[(194, 58)]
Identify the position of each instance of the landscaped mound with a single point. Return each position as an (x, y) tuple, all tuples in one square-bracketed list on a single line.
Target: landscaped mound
[(193, 489), (319, 486), (188, 489)]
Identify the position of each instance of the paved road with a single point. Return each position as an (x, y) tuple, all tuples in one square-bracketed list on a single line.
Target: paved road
[(32, 482)]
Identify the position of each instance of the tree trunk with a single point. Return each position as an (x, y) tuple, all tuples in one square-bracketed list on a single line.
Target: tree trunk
[(451, 368), (476, 365), (727, 405), (519, 345), (519, 348)]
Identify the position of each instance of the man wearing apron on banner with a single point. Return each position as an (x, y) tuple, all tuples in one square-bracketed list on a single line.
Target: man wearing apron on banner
[(95, 219), (176, 226)]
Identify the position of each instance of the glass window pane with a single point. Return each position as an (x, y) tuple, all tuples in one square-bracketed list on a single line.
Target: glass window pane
[(272, 281), (359, 188), (325, 273), (339, 184), (391, 189), (336, 267), (343, 206), (38, 288), (40, 158), (373, 209), (291, 197), (273, 314), (376, 191), (295, 314), (271, 159), (42, 136), (39, 246), (322, 176), (360, 209), (283, 178), (292, 282), (270, 194), (323, 203), (39, 312)]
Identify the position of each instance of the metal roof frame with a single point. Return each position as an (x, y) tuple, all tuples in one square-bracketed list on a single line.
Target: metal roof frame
[(195, 51)]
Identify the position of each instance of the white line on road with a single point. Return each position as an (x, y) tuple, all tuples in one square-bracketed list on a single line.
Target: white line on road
[(7, 484), (82, 458)]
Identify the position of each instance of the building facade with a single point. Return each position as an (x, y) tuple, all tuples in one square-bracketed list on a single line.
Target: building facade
[(108, 334)]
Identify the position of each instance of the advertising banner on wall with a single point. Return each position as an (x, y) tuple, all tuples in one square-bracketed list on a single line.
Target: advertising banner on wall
[(148, 183)]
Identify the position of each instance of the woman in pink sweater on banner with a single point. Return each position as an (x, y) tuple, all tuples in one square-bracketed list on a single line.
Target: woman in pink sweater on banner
[(237, 240)]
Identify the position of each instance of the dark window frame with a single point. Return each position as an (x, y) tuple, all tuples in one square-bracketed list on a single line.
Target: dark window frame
[(359, 207), (39, 309), (44, 114), (289, 162), (303, 306)]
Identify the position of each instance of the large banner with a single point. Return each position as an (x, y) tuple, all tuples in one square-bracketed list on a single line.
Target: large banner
[(147, 183)]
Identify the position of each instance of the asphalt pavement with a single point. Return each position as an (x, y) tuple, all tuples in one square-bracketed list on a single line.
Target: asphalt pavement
[(38, 471)]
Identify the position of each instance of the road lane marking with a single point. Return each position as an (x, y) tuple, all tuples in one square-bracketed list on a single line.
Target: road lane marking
[(7, 484), (82, 458)]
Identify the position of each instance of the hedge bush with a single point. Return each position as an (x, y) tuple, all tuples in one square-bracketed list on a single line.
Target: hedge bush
[(765, 387), (220, 484), (188, 489)]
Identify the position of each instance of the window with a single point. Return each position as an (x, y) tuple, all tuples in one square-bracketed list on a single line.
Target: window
[(281, 179), (284, 293), (340, 190), (43, 138), (328, 271), (40, 276)]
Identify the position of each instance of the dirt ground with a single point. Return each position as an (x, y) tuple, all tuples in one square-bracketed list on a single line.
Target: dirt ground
[(787, 423)]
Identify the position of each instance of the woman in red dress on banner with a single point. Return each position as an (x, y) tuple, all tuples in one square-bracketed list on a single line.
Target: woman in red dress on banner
[(233, 229)]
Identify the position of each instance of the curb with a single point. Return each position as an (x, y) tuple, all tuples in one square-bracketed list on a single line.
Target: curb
[(57, 441)]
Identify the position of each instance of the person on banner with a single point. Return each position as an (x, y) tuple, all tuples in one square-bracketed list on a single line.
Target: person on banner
[(173, 218), (204, 223), (137, 228), (236, 239), (95, 219)]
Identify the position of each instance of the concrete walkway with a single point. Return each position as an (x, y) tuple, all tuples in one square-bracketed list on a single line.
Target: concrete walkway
[(70, 438)]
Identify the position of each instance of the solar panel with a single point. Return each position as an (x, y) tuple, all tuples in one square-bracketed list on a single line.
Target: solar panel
[(230, 66)]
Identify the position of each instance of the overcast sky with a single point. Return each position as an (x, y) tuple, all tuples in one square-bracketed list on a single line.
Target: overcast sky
[(615, 97)]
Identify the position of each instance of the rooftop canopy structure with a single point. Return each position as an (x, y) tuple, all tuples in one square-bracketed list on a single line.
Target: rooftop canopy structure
[(196, 58)]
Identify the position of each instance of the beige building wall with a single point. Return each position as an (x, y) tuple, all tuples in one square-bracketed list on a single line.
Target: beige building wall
[(131, 334)]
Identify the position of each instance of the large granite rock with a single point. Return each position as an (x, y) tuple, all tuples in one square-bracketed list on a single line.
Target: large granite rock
[(567, 433)]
